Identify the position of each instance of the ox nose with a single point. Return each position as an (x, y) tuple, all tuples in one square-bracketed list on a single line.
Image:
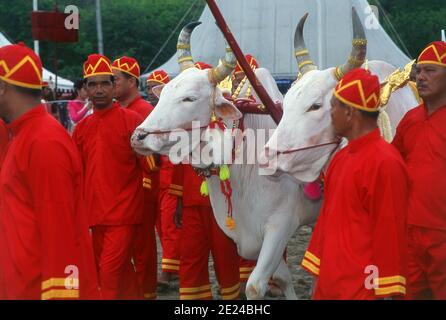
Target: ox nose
[(141, 135), (138, 137)]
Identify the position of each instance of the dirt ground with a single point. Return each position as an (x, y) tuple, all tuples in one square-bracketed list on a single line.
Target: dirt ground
[(301, 279)]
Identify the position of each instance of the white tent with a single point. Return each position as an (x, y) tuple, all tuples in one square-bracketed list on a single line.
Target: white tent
[(265, 28), (47, 75)]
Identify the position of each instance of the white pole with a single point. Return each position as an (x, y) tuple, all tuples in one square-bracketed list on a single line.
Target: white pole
[(443, 36), (99, 27), (36, 42)]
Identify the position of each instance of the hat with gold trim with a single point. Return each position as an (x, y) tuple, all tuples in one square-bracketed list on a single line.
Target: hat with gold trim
[(20, 66), (159, 76), (97, 65), (252, 63), (128, 65), (359, 89), (434, 53)]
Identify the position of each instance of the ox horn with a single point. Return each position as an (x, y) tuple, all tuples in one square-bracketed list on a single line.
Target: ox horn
[(183, 46), (226, 66), (304, 61), (359, 48)]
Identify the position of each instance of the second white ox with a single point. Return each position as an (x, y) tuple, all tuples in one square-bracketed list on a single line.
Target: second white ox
[(306, 119), (266, 212)]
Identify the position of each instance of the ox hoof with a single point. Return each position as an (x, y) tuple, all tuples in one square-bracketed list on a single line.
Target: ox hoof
[(251, 292)]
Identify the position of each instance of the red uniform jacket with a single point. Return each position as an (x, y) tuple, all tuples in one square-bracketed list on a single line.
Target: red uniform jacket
[(358, 248), (166, 172), (113, 173), (186, 183), (421, 139), (45, 250), (4, 139), (151, 173)]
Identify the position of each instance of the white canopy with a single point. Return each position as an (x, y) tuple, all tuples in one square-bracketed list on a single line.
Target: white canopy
[(265, 28)]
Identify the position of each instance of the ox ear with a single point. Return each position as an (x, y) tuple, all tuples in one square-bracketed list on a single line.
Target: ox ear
[(225, 109), (157, 90)]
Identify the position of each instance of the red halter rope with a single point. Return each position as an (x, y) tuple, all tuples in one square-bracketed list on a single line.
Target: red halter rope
[(337, 142)]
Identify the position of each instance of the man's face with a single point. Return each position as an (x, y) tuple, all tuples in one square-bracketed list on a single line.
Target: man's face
[(122, 85), (340, 117), (238, 77), (152, 97), (431, 81), (100, 90)]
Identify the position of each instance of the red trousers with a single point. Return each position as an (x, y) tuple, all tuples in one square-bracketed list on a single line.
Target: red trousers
[(169, 234), (145, 251), (200, 236), (113, 250), (427, 264)]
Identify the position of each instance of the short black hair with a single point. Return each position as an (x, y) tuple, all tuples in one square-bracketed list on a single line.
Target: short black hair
[(370, 115), (112, 79), (128, 76), (33, 93)]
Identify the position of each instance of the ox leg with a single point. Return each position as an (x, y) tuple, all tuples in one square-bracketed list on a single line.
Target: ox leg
[(284, 280), (277, 233)]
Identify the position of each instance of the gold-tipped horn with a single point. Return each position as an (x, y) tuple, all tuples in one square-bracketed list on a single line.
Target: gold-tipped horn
[(185, 59), (225, 68), (359, 48), (304, 61)]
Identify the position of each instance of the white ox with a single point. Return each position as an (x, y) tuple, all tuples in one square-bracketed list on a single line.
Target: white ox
[(306, 119), (266, 212)]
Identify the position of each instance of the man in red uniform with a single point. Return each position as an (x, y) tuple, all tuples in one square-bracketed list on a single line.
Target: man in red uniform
[(200, 236), (46, 252), (168, 233), (155, 79), (113, 174), (358, 248), (127, 72), (421, 139)]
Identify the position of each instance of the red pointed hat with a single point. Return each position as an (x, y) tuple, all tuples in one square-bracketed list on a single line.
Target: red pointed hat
[(359, 89), (434, 53), (128, 65), (97, 65), (20, 66), (252, 63), (159, 76), (202, 65)]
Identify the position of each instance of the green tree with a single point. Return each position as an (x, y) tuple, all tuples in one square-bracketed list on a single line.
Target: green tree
[(416, 22), (136, 28)]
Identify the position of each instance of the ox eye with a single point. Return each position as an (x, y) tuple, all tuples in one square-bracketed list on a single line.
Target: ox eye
[(189, 99), (315, 107)]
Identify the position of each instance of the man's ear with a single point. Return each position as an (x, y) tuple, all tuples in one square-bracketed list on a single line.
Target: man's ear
[(157, 90), (225, 109)]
